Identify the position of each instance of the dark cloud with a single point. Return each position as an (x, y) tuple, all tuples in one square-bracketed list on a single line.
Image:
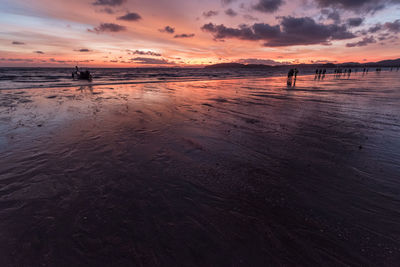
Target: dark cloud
[(357, 5), (109, 2), (292, 31), (210, 13), (375, 28), (17, 43), (108, 27), (393, 26), (17, 59), (230, 12), (355, 22), (39, 52), (152, 61), (83, 50), (142, 53), (268, 6), (130, 17), (184, 35), (364, 42), (168, 29), (334, 15)]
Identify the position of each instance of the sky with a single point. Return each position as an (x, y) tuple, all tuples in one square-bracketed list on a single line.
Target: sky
[(191, 33)]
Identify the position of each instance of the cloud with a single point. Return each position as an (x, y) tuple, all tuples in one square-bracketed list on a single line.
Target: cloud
[(376, 28), (17, 59), (210, 13), (334, 15), (153, 61), (109, 2), (108, 27), (393, 26), (357, 5), (130, 17), (364, 42), (292, 31), (230, 12), (17, 43), (83, 50), (38, 52), (184, 35), (355, 22), (268, 6), (148, 53), (167, 29)]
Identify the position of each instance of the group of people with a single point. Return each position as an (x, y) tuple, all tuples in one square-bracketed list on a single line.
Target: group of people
[(84, 75)]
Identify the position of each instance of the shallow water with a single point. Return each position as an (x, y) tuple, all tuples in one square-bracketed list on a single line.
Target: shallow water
[(233, 172), (25, 78)]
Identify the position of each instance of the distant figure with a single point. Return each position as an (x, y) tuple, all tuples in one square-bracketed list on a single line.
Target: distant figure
[(316, 72), (290, 77), (76, 72)]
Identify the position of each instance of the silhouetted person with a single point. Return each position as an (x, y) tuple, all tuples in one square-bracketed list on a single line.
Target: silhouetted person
[(296, 71), (290, 77), (290, 73)]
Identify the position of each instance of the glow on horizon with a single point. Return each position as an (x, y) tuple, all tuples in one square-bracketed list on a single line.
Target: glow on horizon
[(53, 33)]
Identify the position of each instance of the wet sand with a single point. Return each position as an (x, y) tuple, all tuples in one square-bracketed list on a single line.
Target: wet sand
[(208, 173)]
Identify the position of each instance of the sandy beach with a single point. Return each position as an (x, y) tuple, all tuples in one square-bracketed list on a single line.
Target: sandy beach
[(237, 172)]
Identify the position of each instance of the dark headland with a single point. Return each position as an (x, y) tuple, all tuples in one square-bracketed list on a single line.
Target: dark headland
[(383, 63)]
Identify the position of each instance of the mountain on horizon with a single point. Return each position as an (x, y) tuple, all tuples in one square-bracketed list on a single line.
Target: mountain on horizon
[(383, 63)]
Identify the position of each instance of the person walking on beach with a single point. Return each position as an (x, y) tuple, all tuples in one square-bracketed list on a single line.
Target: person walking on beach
[(290, 77)]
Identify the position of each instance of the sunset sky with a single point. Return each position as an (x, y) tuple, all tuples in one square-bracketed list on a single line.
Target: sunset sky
[(137, 33)]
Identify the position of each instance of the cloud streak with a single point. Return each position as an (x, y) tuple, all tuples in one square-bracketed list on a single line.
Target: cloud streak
[(168, 29), (130, 17), (364, 42), (151, 61), (108, 27), (109, 2), (184, 35)]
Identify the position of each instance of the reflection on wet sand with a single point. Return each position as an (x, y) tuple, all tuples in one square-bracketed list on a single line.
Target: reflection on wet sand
[(234, 172)]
